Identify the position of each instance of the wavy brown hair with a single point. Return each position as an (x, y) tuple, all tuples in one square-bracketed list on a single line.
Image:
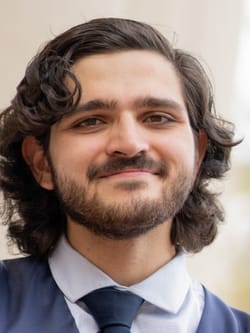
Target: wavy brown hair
[(34, 216)]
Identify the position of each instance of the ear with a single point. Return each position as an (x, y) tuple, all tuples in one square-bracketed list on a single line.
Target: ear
[(201, 148), (35, 157)]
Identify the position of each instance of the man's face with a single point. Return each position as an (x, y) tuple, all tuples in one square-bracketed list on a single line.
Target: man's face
[(126, 160)]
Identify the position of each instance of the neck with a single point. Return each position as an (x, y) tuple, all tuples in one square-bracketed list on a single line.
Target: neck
[(126, 261)]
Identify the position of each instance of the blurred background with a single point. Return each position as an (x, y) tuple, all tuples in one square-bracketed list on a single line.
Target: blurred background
[(218, 33)]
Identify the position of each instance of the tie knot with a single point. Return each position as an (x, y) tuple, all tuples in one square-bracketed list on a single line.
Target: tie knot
[(114, 310)]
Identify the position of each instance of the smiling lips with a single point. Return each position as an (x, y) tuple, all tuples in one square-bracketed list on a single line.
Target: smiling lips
[(129, 172)]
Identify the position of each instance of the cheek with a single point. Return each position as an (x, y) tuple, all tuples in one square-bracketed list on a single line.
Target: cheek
[(179, 149), (73, 157)]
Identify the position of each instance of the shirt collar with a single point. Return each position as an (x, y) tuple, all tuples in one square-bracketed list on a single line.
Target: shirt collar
[(76, 277)]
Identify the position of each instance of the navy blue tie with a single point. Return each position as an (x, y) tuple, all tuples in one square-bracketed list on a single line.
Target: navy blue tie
[(114, 310)]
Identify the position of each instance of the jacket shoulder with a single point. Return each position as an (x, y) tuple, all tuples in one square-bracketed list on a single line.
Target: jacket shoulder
[(243, 319), (18, 269), (219, 317), (20, 263), (18, 274), (27, 288)]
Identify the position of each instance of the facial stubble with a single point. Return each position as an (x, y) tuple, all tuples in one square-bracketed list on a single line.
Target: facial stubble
[(131, 218)]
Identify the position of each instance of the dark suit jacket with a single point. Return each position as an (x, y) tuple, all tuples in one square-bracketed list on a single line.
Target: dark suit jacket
[(31, 302)]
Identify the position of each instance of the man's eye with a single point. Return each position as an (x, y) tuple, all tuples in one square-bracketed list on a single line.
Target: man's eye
[(158, 119), (89, 122)]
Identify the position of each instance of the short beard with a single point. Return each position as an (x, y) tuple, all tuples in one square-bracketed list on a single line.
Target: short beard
[(126, 220)]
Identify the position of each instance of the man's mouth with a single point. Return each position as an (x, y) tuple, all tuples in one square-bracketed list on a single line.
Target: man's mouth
[(129, 172), (137, 166)]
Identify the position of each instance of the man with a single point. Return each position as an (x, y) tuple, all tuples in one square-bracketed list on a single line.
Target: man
[(107, 151)]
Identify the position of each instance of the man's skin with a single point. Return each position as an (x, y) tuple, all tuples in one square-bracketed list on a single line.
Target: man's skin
[(123, 125)]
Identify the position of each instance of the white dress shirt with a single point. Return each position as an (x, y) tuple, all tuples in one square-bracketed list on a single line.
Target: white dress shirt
[(173, 302)]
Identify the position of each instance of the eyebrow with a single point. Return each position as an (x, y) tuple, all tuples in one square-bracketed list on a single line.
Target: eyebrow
[(97, 104), (139, 103), (155, 102)]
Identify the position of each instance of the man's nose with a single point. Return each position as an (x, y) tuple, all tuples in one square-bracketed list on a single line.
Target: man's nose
[(127, 138)]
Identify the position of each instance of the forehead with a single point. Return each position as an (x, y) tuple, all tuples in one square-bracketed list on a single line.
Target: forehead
[(126, 67), (125, 57), (127, 76)]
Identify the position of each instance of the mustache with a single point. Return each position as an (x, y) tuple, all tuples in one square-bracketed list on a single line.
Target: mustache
[(117, 164)]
